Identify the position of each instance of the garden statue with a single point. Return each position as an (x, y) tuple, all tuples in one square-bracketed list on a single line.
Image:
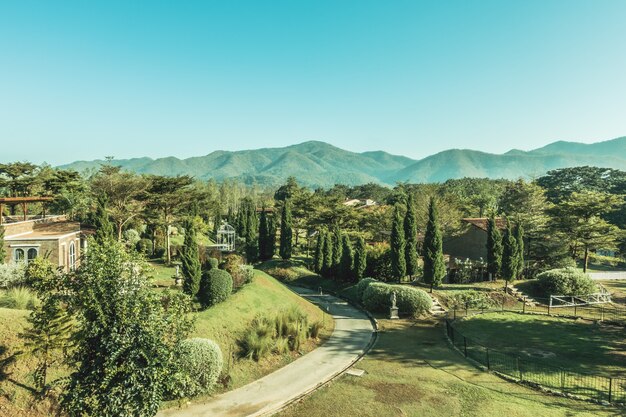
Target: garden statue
[(393, 311)]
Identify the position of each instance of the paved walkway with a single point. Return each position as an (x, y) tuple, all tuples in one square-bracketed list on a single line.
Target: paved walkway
[(352, 334), (608, 275)]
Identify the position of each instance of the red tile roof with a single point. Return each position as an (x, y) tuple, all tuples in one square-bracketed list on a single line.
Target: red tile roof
[(481, 222)]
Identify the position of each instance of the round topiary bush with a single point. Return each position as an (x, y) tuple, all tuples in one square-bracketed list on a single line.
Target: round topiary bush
[(216, 286), (566, 281), (212, 263), (198, 367), (362, 286), (410, 301)]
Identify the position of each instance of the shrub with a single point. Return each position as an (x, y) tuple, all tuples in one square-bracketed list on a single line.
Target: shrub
[(566, 281), (362, 286), (470, 299), (211, 263), (232, 264), (144, 246), (283, 274), (258, 340), (247, 272), (12, 274), (216, 286), (315, 329), (197, 368), (410, 301), (131, 238), (159, 253), (19, 298), (379, 262)]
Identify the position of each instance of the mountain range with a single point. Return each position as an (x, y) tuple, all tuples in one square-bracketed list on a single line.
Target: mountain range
[(319, 164)]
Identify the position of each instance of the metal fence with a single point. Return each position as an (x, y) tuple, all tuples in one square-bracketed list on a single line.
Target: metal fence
[(587, 386)]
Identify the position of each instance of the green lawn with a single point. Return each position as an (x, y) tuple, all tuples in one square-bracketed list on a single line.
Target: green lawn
[(574, 345), (617, 289), (412, 371), (161, 274)]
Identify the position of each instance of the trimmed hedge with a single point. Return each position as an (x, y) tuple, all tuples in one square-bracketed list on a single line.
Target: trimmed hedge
[(362, 286), (198, 367), (410, 301), (216, 286), (566, 281)]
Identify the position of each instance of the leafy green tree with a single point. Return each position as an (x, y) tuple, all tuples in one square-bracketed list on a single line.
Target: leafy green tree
[(494, 248), (125, 336), (398, 260), (328, 254), (347, 258), (561, 183), (519, 239), (101, 222), (509, 255), (190, 268), (286, 232), (434, 264), (410, 233), (318, 258), (337, 242), (360, 258)]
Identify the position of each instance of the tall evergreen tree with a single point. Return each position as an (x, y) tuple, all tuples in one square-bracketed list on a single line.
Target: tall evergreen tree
[(265, 251), (337, 252), (360, 258), (434, 265), (519, 240), (328, 254), (410, 235), (347, 259), (398, 260), (318, 258), (102, 223), (271, 238), (509, 255), (494, 248), (286, 231), (190, 268)]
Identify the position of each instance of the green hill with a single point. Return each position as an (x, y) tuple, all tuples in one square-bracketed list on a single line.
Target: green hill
[(319, 164)]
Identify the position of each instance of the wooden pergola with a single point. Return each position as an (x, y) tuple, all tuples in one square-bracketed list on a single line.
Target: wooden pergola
[(22, 201)]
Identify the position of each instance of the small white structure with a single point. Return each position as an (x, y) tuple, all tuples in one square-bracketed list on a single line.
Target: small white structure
[(226, 237)]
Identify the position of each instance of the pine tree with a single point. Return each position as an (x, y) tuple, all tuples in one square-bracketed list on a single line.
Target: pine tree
[(360, 259), (434, 265), (337, 252), (410, 234), (398, 260), (190, 268), (519, 240), (328, 254), (271, 237), (3, 253), (265, 252), (494, 248), (509, 255), (102, 223), (318, 258), (347, 259), (286, 231)]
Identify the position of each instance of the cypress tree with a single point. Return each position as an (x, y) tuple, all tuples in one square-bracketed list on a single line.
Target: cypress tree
[(519, 240), (410, 234), (347, 259), (190, 268), (398, 260), (264, 237), (102, 223), (434, 266), (318, 259), (252, 222), (271, 238), (328, 254), (286, 231), (337, 252), (494, 248), (360, 259), (509, 255)]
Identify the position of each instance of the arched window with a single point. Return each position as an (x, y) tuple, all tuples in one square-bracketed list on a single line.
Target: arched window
[(72, 256), (31, 254), (19, 255)]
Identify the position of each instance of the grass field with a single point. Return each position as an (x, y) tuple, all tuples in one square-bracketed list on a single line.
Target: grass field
[(412, 371), (575, 345), (617, 288)]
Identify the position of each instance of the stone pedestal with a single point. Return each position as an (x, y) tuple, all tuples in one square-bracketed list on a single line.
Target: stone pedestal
[(393, 313)]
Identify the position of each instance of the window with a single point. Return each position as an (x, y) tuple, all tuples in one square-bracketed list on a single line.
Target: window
[(18, 255), (72, 256), (31, 254)]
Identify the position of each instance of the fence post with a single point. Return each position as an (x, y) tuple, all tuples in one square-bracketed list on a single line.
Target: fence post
[(524, 307), (454, 312), (488, 361), (610, 388), (575, 314), (465, 345), (602, 313), (466, 308), (549, 305), (519, 369)]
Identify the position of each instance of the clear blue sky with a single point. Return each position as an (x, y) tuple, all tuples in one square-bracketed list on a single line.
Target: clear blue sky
[(81, 80)]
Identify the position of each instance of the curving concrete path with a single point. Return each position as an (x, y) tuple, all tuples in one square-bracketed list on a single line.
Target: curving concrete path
[(351, 337)]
